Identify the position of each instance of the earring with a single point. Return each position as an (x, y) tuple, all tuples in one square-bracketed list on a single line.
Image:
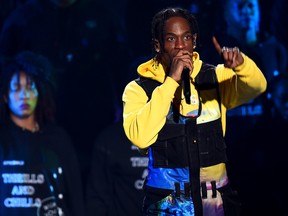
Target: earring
[(194, 44)]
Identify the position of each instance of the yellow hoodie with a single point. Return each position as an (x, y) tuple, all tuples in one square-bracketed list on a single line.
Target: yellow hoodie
[(143, 120)]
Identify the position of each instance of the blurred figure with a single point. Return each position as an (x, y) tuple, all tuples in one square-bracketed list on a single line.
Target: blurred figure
[(39, 168), (242, 27), (82, 38), (243, 22), (117, 175), (278, 97), (279, 17), (264, 165)]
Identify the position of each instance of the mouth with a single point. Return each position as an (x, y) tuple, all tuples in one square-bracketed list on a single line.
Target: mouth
[(24, 106)]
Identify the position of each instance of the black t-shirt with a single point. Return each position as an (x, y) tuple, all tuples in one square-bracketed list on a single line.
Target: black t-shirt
[(118, 170), (37, 177)]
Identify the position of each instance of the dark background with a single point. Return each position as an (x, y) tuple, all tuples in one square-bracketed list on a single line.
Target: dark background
[(117, 35)]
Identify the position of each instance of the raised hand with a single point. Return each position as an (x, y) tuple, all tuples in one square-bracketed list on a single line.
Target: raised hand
[(231, 56)]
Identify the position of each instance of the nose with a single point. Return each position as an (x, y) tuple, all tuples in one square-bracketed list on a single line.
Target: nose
[(24, 93), (247, 9), (180, 44)]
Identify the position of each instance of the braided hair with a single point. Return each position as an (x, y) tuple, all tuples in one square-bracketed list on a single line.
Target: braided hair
[(159, 19)]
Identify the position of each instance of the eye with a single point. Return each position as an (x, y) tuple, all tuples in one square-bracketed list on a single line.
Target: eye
[(250, 5), (170, 38), (29, 87), (188, 37), (240, 6), (14, 87)]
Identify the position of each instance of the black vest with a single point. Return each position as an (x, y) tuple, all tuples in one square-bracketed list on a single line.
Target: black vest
[(176, 142)]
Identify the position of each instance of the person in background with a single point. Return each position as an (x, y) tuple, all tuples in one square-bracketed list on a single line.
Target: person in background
[(278, 19), (244, 29), (175, 112), (40, 174), (77, 36), (241, 26), (278, 97), (261, 175), (118, 170)]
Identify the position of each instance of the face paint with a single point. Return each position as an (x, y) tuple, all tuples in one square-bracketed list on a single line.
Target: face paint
[(22, 95)]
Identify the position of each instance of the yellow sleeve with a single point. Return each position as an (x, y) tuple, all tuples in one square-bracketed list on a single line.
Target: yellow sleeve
[(143, 120), (243, 84)]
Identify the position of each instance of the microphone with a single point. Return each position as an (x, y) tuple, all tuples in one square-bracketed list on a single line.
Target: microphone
[(185, 76)]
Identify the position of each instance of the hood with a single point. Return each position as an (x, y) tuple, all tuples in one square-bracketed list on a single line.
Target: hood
[(155, 71)]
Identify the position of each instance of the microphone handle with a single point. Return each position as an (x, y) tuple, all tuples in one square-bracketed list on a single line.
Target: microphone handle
[(186, 84)]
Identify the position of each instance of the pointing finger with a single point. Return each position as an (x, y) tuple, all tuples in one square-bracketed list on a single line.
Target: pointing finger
[(216, 45)]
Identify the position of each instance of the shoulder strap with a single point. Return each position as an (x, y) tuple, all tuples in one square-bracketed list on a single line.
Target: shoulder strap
[(148, 85), (206, 79)]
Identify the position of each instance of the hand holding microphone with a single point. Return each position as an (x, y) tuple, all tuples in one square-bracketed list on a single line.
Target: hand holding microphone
[(186, 84), (180, 69)]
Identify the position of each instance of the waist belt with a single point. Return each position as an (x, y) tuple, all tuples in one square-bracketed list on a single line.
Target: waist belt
[(212, 185)]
